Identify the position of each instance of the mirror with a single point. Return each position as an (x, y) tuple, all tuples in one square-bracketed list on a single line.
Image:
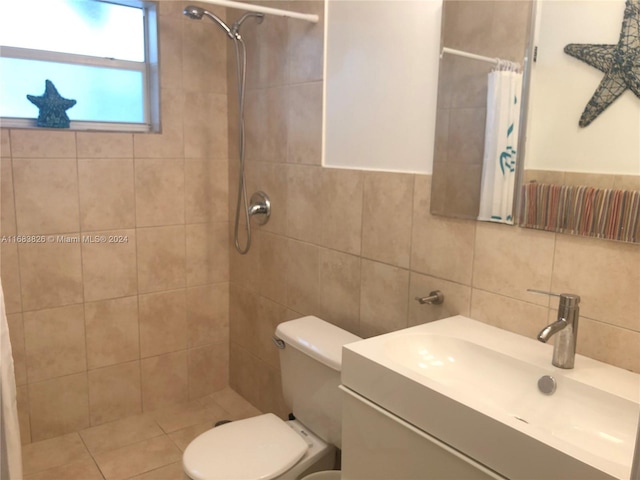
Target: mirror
[(600, 159), (491, 29), (597, 166)]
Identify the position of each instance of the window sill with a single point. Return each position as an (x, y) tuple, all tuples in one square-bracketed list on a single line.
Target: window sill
[(30, 123)]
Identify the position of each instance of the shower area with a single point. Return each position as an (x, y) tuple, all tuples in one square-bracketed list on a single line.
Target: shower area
[(169, 315)]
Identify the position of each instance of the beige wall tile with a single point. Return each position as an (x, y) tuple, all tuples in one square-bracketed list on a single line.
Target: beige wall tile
[(164, 380), (46, 454), (208, 369), (243, 317), (159, 192), (303, 208), (16, 336), (341, 215), (609, 344), (237, 406), (206, 190), (273, 262), (10, 271), (269, 316), (59, 406), (508, 261), (109, 268), (163, 323), (386, 217), (598, 270), (269, 54), (50, 274), (243, 375), (114, 392), (457, 299), (42, 144), (111, 331), (305, 123), (168, 144), (46, 195), (54, 342), (591, 179), (384, 293), (305, 45), (198, 44), (161, 258), (104, 145), (5, 143), (125, 462), (509, 314), (208, 314), (441, 247), (106, 194), (627, 182), (207, 253), (303, 276), (7, 203), (340, 289), (207, 133), (266, 124), (170, 46)]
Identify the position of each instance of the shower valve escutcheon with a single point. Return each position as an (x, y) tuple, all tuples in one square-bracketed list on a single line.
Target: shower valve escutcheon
[(260, 207)]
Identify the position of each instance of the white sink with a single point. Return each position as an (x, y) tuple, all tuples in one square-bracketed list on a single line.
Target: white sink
[(474, 387)]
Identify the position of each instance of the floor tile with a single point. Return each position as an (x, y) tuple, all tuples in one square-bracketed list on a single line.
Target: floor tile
[(183, 437), (237, 407), (120, 433), (141, 457), (170, 472), (53, 452), (81, 470), (188, 414)]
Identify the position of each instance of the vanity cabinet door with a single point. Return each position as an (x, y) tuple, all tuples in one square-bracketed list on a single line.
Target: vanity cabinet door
[(376, 445)]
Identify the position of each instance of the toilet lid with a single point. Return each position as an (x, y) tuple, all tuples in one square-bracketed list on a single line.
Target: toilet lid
[(258, 448)]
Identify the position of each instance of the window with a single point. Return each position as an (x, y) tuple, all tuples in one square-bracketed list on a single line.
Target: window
[(101, 54)]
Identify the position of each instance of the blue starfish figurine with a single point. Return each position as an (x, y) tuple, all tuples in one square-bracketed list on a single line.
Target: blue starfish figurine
[(52, 107), (620, 64)]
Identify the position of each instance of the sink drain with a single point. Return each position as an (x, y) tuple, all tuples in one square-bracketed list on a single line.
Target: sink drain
[(547, 384)]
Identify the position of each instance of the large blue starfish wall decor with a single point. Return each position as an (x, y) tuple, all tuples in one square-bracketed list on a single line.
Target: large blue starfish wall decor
[(53, 108), (620, 64)]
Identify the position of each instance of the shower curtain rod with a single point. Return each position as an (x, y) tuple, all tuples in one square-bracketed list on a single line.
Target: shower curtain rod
[(461, 53), (267, 10)]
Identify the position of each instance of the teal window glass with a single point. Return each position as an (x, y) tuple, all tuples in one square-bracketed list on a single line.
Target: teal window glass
[(102, 94), (103, 54)]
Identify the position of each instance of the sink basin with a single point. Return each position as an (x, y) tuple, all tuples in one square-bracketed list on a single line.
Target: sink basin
[(475, 387)]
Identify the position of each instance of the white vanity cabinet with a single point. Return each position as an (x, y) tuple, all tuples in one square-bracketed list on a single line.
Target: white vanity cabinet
[(377, 445)]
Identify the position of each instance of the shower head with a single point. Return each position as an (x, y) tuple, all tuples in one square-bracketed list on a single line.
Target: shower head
[(196, 13)]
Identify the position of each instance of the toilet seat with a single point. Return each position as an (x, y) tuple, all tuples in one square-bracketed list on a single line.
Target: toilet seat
[(257, 448)]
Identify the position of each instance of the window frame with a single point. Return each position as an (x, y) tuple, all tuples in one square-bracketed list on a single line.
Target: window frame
[(149, 69)]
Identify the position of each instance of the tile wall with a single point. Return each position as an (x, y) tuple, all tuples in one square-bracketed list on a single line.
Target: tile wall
[(101, 331), (356, 247)]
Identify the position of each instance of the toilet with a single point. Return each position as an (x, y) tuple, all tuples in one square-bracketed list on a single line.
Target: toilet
[(266, 447)]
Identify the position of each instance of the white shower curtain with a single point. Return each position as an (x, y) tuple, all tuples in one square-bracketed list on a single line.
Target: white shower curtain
[(500, 144), (10, 449)]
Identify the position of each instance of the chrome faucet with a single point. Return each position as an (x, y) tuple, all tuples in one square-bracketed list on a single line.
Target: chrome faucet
[(565, 328)]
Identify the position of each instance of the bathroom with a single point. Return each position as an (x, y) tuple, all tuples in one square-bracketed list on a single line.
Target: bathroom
[(176, 318)]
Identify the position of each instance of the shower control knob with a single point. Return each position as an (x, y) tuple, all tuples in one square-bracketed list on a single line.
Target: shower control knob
[(260, 207)]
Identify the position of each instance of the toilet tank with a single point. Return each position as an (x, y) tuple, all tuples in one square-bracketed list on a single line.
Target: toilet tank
[(310, 364)]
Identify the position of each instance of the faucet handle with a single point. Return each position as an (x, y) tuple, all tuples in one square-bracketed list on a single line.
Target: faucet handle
[(566, 299)]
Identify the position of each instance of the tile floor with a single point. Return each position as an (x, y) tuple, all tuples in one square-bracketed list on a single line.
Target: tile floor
[(143, 447)]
